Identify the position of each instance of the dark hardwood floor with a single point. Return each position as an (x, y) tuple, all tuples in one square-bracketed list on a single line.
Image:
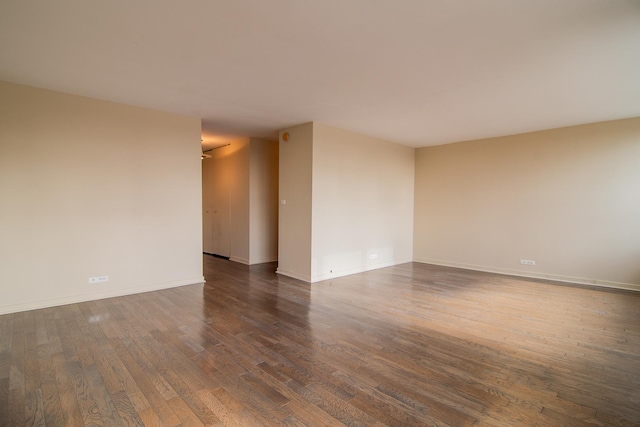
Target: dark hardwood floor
[(407, 345)]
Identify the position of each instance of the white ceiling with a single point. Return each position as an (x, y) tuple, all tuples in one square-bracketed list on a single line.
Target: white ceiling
[(416, 72)]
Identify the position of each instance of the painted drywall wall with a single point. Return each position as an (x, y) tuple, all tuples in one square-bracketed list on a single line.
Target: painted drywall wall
[(294, 217), (93, 188), (225, 200), (239, 201), (567, 198), (263, 201), (348, 203), (363, 191)]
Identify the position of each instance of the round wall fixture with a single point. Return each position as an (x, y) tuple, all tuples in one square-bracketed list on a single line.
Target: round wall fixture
[(285, 136)]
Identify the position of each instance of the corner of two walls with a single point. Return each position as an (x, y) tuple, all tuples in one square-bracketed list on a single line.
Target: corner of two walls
[(346, 203), (568, 199)]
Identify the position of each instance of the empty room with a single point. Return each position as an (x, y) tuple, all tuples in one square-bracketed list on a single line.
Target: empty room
[(251, 213)]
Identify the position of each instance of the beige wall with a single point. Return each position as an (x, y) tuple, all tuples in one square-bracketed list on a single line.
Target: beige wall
[(362, 203), (567, 198), (239, 201), (263, 200), (94, 188), (349, 203), (294, 218)]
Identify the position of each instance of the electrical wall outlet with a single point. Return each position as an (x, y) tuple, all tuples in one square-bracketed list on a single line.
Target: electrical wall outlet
[(527, 262), (98, 279), (373, 256)]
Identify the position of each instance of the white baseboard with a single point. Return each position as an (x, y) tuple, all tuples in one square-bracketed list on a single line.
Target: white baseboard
[(247, 262), (359, 269), (291, 274), (535, 275), (264, 260), (239, 259), (34, 305)]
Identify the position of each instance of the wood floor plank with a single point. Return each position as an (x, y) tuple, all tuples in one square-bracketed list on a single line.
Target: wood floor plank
[(268, 391), (242, 413), (149, 418), (297, 404), (147, 369), (34, 411), (185, 391), (15, 415), (4, 401), (335, 406), (312, 415), (31, 364), (148, 382), (52, 406), (184, 413), (88, 403), (413, 344), (69, 405), (248, 399), (17, 366), (218, 408), (126, 411)]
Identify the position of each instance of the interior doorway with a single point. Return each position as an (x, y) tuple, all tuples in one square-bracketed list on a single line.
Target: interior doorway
[(240, 201), (216, 209)]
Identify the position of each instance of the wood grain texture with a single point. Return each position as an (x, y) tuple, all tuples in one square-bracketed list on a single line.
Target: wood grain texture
[(410, 345)]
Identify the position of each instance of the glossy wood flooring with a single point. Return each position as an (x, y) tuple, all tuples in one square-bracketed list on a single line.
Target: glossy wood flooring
[(407, 345)]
